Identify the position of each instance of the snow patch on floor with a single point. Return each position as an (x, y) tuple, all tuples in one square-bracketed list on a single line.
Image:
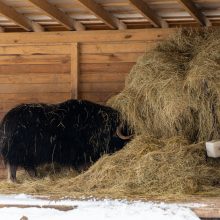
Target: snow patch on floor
[(95, 209)]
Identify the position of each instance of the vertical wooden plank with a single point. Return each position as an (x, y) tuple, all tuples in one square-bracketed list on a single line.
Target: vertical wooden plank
[(74, 70)]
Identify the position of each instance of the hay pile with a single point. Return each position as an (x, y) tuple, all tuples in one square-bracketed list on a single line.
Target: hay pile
[(145, 167), (174, 89), (172, 101), (151, 167)]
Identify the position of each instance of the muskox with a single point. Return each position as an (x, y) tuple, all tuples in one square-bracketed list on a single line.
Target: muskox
[(72, 133)]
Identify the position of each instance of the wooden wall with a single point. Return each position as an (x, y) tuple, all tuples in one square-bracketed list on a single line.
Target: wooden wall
[(52, 67), (34, 73), (104, 66)]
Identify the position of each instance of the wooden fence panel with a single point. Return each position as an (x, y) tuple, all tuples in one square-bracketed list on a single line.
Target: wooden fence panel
[(34, 73), (104, 67)]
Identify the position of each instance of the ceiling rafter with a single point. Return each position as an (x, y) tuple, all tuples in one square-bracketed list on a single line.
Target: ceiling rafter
[(110, 20), (58, 15), (19, 19), (148, 13), (2, 29), (37, 27), (191, 8)]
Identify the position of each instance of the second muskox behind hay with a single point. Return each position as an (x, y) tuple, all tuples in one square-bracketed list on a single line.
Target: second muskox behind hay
[(171, 100)]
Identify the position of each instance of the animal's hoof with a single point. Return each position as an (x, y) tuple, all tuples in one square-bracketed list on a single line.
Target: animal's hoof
[(12, 181)]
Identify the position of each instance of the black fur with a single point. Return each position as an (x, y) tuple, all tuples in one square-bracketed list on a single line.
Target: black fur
[(71, 133)]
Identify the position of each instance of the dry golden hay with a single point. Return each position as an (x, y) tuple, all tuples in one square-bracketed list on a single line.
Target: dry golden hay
[(145, 167), (174, 88), (148, 166)]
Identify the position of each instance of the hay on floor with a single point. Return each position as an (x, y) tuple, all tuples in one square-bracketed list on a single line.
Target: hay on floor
[(145, 167), (148, 166)]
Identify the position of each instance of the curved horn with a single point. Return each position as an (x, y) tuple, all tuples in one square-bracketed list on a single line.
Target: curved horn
[(120, 135)]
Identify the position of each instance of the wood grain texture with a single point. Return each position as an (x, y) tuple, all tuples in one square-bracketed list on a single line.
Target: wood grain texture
[(74, 70), (101, 87), (52, 11), (48, 67), (102, 14), (34, 68), (45, 97), (195, 12), (34, 59), (39, 87), (109, 58), (147, 12), (34, 49), (106, 67), (13, 15), (99, 48), (33, 78), (102, 77), (34, 73), (97, 96), (94, 15), (83, 36)]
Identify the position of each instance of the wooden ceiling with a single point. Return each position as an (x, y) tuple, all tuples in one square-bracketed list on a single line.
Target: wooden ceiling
[(80, 15)]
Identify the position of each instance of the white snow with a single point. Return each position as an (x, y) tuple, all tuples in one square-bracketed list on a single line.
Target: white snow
[(94, 209)]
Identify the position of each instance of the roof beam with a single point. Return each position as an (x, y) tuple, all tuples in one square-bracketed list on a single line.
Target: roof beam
[(37, 27), (191, 8), (58, 15), (13, 15), (147, 12), (19, 19), (2, 29), (110, 20)]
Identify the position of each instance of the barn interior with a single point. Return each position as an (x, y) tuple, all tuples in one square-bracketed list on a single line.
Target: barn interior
[(125, 54)]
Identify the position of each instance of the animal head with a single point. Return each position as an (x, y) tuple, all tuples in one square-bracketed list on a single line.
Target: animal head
[(120, 138)]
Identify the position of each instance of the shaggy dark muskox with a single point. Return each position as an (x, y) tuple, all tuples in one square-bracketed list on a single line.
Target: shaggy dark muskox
[(72, 133)]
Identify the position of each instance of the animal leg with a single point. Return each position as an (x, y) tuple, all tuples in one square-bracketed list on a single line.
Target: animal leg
[(12, 169), (32, 172)]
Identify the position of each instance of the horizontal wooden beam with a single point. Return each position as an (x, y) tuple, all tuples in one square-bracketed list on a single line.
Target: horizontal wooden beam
[(148, 13), (2, 29), (191, 8), (58, 15), (102, 14), (150, 34)]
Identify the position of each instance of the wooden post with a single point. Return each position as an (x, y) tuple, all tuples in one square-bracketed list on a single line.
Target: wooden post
[(74, 70)]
